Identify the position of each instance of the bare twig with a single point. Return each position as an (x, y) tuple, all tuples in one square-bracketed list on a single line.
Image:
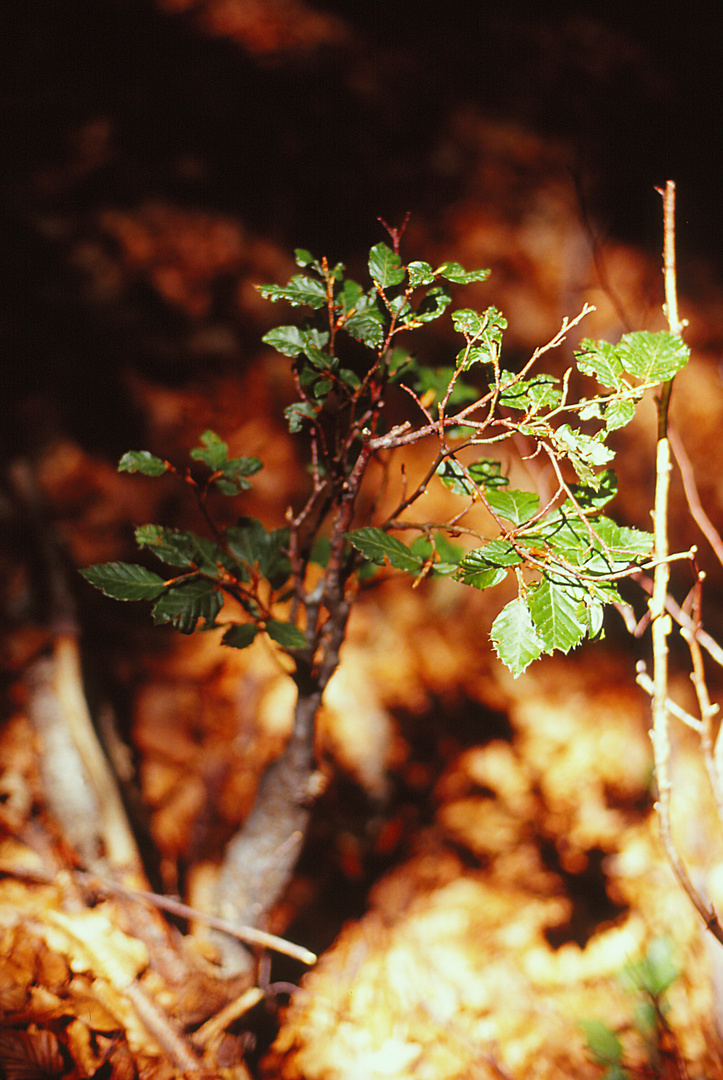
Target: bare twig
[(660, 619), (692, 497)]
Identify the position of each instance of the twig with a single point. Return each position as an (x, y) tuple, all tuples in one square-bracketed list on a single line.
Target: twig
[(166, 903), (711, 646), (226, 1016), (646, 683), (660, 619), (163, 1029), (248, 934), (692, 497)]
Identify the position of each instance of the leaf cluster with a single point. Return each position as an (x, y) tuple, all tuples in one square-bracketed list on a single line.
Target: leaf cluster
[(565, 558), (649, 977), (248, 563)]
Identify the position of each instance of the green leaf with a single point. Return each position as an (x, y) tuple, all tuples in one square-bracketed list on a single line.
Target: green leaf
[(433, 305), (385, 266), (449, 554), (368, 326), (420, 273), (377, 545), (285, 634), (515, 637), (482, 579), (213, 453), (584, 451), (486, 473), (490, 335), (528, 395), (495, 556), (468, 322), (240, 636), (556, 615), (143, 462), (601, 360), (300, 292), (622, 540), (255, 547), (297, 413), (589, 498), (653, 357), (438, 380), (234, 475), (304, 258), (453, 271), (124, 581), (618, 414), (184, 604), (349, 296), (321, 551), (287, 340), (602, 1042), (169, 545), (656, 971), (515, 506)]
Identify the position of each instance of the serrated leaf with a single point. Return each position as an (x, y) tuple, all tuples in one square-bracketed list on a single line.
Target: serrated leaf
[(420, 273), (623, 539), (515, 638), (453, 271), (433, 305), (468, 322), (369, 327), (584, 451), (555, 613), (385, 266), (589, 498), (169, 545), (233, 479), (528, 395), (287, 340), (515, 506), (496, 555), (255, 547), (618, 414), (297, 413), (143, 462), (240, 636), (652, 357), (377, 545), (485, 473), (592, 411), (301, 291), (602, 1042), (303, 257), (124, 581), (184, 604), (213, 452), (285, 634), (481, 579), (601, 360), (349, 296)]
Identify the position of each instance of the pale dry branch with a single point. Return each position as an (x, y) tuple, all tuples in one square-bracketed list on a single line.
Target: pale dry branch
[(660, 619)]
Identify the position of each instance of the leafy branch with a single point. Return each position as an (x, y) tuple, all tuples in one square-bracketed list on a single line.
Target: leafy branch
[(354, 378)]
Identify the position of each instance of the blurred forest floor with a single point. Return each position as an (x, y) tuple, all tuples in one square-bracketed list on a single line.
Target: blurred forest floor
[(484, 860)]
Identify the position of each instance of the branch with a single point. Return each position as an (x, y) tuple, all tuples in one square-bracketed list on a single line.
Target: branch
[(661, 622)]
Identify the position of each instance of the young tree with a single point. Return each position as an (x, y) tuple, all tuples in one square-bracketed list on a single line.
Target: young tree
[(352, 366)]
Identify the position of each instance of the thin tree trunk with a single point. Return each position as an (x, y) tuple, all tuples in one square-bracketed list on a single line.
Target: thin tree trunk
[(260, 860)]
